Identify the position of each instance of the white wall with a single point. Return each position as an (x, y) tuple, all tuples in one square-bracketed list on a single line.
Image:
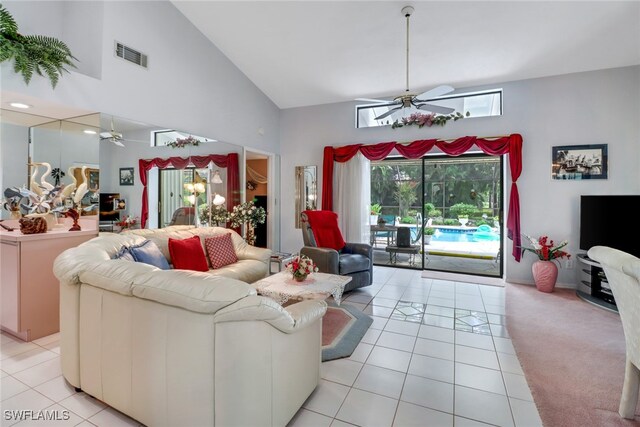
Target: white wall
[(584, 108), (189, 83)]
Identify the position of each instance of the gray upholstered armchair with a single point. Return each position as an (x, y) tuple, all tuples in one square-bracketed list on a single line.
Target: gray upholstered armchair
[(355, 259)]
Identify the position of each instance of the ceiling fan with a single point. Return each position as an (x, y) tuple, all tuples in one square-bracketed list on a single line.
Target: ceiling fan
[(113, 136), (413, 102), (116, 137)]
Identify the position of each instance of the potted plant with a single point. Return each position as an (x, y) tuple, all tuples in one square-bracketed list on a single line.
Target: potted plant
[(42, 55), (545, 271), (428, 233), (250, 215), (375, 212)]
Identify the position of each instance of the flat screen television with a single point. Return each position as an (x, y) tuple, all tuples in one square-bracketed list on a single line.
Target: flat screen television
[(108, 210), (610, 221)]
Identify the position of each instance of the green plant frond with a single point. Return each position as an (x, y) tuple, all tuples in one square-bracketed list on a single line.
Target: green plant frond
[(49, 44), (44, 55), (8, 25), (52, 72), (22, 66)]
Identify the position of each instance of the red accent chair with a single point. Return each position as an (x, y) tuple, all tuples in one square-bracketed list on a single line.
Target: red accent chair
[(353, 259)]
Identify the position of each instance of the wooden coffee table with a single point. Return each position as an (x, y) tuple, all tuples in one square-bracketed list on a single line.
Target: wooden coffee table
[(283, 289)]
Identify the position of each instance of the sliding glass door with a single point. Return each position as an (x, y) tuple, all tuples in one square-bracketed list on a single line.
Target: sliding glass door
[(182, 191), (450, 207)]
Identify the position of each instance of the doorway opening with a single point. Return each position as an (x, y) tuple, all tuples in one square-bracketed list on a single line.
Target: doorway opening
[(260, 187)]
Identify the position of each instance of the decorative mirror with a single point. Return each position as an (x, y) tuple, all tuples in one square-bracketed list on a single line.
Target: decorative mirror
[(306, 190)]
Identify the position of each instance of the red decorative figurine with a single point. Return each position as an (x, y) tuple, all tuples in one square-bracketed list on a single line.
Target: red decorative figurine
[(73, 214)]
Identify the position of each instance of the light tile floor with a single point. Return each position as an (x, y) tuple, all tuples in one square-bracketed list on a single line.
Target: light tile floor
[(437, 354)]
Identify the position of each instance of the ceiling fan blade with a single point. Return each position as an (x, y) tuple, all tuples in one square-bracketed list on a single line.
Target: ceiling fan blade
[(377, 101), (106, 135), (435, 92), (435, 108), (117, 142), (404, 112), (388, 113)]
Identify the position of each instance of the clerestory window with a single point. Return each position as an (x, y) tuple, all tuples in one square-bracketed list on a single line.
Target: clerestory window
[(478, 104)]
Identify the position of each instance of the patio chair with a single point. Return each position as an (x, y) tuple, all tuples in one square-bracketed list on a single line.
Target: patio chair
[(623, 273), (331, 254), (390, 235)]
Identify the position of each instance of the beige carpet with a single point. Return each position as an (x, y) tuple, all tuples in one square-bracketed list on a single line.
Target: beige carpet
[(573, 356)]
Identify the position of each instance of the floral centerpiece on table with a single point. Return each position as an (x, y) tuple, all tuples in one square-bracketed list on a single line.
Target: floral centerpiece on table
[(217, 213), (546, 249), (183, 142), (127, 222), (300, 267), (249, 214)]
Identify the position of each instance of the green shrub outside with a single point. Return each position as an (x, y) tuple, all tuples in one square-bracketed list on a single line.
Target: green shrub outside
[(460, 209), (431, 211)]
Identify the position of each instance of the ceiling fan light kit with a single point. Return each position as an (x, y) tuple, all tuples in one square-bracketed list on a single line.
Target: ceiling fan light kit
[(406, 107)]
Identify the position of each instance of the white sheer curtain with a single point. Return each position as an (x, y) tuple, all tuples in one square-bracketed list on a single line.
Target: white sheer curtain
[(352, 198)]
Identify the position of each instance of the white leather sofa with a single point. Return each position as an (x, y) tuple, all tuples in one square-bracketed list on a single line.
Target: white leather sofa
[(252, 265), (182, 348)]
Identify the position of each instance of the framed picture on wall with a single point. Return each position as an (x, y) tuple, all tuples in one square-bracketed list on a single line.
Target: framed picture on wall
[(126, 176), (576, 162)]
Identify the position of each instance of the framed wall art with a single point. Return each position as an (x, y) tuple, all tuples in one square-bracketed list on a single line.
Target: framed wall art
[(576, 162), (126, 176)]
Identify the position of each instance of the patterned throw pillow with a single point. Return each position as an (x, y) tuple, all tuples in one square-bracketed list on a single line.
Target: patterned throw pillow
[(187, 254), (220, 250)]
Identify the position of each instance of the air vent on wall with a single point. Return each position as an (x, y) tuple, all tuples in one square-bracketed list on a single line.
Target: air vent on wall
[(131, 55)]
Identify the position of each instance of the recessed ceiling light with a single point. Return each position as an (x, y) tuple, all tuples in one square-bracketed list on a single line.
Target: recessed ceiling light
[(19, 105), (90, 132)]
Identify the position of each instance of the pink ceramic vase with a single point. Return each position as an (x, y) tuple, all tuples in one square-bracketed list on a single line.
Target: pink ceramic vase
[(545, 274)]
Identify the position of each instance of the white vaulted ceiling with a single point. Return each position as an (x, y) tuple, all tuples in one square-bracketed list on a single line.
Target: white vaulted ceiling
[(314, 52)]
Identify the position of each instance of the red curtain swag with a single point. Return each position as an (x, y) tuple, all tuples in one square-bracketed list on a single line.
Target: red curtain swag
[(229, 161), (511, 145)]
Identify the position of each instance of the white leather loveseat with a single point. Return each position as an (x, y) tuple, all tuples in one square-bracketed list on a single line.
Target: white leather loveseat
[(252, 265), (182, 348)]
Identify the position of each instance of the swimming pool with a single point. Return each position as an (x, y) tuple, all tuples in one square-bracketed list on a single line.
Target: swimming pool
[(456, 235), (444, 235)]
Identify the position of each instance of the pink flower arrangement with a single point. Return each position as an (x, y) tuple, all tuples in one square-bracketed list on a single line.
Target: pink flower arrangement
[(183, 142), (545, 249), (421, 119)]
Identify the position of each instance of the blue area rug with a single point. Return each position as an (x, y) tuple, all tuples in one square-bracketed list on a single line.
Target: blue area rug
[(342, 329)]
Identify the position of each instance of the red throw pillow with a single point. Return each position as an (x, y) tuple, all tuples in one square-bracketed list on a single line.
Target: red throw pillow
[(220, 250), (187, 254)]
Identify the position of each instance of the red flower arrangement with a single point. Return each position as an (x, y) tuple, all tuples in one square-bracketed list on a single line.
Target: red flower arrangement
[(545, 249), (301, 266), (127, 222)]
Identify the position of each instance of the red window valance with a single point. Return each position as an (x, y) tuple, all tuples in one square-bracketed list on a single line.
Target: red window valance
[(229, 161), (511, 145)]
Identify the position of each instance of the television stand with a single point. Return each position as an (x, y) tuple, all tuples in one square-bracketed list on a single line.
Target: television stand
[(595, 286)]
